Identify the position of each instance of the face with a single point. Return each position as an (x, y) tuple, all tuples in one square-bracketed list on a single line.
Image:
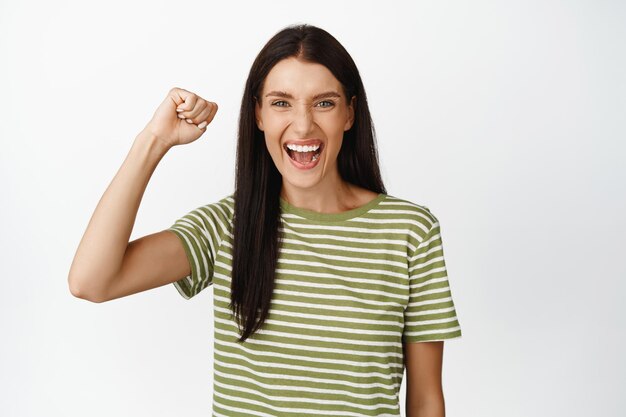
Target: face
[(304, 108)]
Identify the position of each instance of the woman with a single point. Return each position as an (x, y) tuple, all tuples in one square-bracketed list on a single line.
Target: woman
[(325, 286)]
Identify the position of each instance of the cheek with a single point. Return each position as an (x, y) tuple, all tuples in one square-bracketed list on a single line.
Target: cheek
[(275, 120), (274, 131), (273, 145), (335, 147)]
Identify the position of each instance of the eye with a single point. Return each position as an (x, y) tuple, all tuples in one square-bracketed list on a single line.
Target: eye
[(285, 104)]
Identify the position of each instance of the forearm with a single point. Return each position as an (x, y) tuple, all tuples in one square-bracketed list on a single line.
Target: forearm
[(101, 250)]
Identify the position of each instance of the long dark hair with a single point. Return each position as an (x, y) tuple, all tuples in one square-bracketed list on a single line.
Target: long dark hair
[(258, 182)]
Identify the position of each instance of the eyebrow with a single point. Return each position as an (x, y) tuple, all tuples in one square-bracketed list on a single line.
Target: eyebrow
[(283, 94)]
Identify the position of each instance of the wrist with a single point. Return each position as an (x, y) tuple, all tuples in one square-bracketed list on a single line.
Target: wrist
[(147, 139), (148, 149)]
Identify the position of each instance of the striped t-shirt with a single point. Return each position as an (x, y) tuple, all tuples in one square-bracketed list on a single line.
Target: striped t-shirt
[(350, 288)]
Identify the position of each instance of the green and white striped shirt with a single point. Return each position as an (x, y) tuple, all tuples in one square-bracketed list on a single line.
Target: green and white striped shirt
[(350, 288)]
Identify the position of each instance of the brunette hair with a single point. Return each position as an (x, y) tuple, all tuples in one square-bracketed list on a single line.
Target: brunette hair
[(258, 182)]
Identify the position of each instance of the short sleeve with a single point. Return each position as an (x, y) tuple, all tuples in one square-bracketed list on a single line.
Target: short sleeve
[(198, 232), (430, 314)]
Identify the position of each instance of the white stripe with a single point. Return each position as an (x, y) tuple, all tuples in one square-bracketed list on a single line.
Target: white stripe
[(428, 312), (366, 271), (308, 305), (427, 322), (384, 262), (358, 250), (332, 326), (433, 331), (428, 302), (306, 337), (303, 411), (363, 230)]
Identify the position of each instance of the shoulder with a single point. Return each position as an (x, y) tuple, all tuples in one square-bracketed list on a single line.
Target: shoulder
[(216, 215), (226, 206), (419, 218), (411, 210)]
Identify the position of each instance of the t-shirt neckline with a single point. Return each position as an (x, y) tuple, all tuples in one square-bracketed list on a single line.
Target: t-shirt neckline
[(331, 217)]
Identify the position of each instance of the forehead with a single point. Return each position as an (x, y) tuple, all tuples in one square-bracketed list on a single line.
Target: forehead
[(299, 78)]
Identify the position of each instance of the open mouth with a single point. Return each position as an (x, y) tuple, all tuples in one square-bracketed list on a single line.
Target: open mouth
[(305, 155)]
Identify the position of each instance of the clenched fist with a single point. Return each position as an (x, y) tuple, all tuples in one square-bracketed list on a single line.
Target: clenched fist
[(181, 118)]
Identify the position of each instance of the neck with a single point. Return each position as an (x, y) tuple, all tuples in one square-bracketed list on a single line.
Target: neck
[(332, 196)]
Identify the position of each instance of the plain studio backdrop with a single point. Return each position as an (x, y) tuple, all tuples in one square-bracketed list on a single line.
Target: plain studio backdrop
[(506, 119)]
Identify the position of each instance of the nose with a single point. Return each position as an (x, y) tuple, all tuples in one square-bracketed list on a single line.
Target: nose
[(302, 121)]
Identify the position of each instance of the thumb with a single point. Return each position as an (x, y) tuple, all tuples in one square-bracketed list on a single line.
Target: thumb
[(184, 100)]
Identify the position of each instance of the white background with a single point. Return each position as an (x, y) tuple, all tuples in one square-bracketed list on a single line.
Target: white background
[(506, 119)]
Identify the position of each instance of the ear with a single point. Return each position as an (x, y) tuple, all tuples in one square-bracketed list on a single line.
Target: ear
[(257, 114), (351, 108)]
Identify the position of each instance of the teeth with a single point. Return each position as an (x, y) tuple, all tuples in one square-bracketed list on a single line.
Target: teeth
[(298, 148)]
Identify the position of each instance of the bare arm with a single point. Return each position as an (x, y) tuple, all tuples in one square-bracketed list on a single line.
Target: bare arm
[(101, 251), (424, 393), (106, 265)]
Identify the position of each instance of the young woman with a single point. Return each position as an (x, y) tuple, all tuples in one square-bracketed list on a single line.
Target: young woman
[(325, 286)]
